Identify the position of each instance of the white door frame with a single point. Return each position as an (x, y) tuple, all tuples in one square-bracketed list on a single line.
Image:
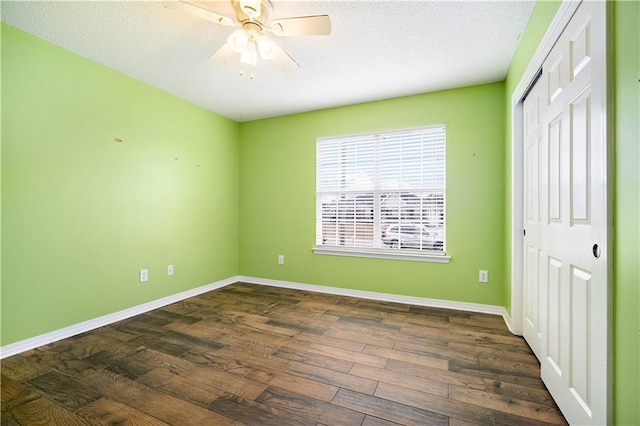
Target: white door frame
[(515, 320)]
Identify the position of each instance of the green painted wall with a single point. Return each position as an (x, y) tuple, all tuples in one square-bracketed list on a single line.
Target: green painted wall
[(81, 213), (626, 69), (277, 204), (0, 186)]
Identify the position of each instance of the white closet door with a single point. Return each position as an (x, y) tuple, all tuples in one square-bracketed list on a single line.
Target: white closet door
[(535, 171), (566, 302)]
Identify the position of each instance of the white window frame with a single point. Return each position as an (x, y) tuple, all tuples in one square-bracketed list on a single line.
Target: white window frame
[(379, 249)]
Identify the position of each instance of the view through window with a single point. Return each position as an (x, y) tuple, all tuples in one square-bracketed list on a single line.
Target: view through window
[(382, 191)]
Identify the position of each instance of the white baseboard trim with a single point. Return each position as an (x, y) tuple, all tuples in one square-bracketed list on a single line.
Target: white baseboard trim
[(63, 333), (509, 321), (83, 327), (384, 297)]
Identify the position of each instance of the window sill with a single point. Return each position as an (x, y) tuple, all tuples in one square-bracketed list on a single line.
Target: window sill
[(382, 254)]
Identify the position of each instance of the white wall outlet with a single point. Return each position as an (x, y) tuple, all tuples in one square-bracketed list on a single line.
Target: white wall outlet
[(170, 270), (144, 275), (281, 259), (483, 276)]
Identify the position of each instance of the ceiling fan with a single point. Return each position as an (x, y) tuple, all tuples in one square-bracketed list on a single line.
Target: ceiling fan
[(254, 19)]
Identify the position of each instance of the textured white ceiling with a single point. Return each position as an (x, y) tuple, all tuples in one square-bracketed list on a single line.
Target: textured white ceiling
[(377, 49)]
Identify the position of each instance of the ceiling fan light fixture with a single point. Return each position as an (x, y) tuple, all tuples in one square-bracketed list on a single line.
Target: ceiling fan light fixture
[(239, 41), (267, 48), (250, 55)]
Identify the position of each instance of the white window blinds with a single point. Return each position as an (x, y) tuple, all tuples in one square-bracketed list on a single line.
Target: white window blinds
[(382, 191)]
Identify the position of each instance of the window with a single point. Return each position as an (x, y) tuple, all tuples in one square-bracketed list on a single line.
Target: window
[(382, 194)]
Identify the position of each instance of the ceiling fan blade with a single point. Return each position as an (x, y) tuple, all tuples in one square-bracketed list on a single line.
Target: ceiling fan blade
[(222, 54), (283, 61), (302, 25), (198, 11)]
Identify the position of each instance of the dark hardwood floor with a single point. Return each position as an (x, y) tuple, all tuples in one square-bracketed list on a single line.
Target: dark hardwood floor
[(256, 355)]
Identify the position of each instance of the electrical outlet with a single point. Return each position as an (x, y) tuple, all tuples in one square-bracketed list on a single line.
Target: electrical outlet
[(170, 270), (483, 276), (144, 275), (281, 259)]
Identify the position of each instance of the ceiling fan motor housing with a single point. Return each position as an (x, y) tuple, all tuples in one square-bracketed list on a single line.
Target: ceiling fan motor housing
[(258, 11)]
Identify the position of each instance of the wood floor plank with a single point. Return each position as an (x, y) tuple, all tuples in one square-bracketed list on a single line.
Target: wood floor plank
[(432, 348), (307, 371), (378, 305), (124, 365), (64, 362), (65, 391), (225, 381), (499, 363), (476, 352), (409, 318), (189, 308), (22, 367), (157, 404), (307, 316), (297, 326), (208, 360), (105, 411), (409, 381), (246, 321), (368, 337), (507, 404), (320, 349), (388, 410), (448, 313), (427, 361), (259, 296), (436, 374), (253, 413), (493, 322), (522, 377), (172, 317), (146, 324), (153, 359), (365, 322), (6, 421), (300, 405), (231, 335), (331, 342), (322, 383), (441, 405), (375, 421), (13, 393), (192, 342), (539, 396), (353, 310), (506, 419), (160, 345), (459, 422), (328, 376), (304, 386), (314, 359), (192, 391), (440, 335), (42, 411), (109, 333)]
